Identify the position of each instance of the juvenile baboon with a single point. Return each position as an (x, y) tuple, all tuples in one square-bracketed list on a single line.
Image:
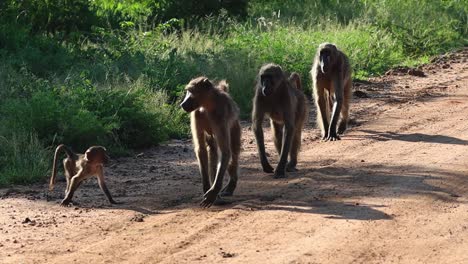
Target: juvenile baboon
[(283, 101), (215, 127), (331, 75), (78, 167)]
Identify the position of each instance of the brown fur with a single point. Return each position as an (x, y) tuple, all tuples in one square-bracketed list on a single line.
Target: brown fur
[(78, 167), (283, 101), (215, 128), (331, 75), (295, 79)]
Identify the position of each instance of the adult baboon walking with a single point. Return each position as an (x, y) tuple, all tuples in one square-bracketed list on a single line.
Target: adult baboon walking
[(215, 125), (331, 75), (282, 100)]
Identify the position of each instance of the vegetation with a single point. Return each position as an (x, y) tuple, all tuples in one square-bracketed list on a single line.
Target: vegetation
[(111, 72)]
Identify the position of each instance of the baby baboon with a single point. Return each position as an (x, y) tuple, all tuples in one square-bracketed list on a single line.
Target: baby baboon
[(215, 126), (331, 75), (79, 167), (283, 101)]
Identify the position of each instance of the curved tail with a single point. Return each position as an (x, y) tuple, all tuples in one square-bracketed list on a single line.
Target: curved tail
[(295, 79), (223, 86), (69, 153)]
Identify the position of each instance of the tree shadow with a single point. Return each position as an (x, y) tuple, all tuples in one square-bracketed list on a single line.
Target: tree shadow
[(415, 137)]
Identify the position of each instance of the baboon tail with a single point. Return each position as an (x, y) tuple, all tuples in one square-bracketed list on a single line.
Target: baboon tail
[(69, 153), (223, 85), (296, 80)]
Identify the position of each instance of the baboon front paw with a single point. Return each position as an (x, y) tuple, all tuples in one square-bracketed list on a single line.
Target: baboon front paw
[(209, 198), (268, 168), (342, 129), (333, 138), (227, 193), (220, 201), (291, 168), (64, 203), (279, 174)]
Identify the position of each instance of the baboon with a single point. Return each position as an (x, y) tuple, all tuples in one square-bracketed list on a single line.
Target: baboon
[(283, 101), (78, 167), (331, 75), (295, 80), (215, 127)]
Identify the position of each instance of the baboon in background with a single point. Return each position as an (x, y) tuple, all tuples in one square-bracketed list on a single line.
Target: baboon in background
[(295, 80), (331, 75), (215, 125), (283, 101), (78, 167)]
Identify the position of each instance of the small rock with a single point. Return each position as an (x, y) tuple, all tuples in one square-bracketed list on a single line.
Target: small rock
[(152, 168), (227, 254), (26, 220), (138, 218)]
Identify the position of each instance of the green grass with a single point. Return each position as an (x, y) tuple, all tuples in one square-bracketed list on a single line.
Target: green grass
[(119, 84)]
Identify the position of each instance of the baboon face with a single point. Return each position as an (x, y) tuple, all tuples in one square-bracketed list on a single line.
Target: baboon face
[(97, 154), (271, 76), (196, 91), (326, 57)]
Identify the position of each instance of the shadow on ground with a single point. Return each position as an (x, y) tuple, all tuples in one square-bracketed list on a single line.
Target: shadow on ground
[(167, 179), (415, 137)]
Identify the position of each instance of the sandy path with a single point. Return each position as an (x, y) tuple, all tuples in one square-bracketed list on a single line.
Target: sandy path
[(396, 192)]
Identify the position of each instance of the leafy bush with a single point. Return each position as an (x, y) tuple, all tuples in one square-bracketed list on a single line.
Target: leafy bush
[(23, 159)]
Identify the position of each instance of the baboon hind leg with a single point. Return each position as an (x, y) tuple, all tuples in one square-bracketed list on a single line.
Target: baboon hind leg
[(322, 105), (345, 109), (277, 130), (295, 148), (69, 171), (233, 168), (75, 182), (212, 158)]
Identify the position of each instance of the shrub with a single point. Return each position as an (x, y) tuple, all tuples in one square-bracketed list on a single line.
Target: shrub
[(23, 159)]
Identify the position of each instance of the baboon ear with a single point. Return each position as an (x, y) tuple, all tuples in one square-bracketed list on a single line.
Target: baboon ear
[(205, 82)]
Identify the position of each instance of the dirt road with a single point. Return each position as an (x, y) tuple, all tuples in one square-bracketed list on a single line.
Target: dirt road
[(393, 190)]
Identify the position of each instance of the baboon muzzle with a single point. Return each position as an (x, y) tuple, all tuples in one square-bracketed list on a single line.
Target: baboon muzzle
[(324, 63), (188, 103), (266, 88)]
